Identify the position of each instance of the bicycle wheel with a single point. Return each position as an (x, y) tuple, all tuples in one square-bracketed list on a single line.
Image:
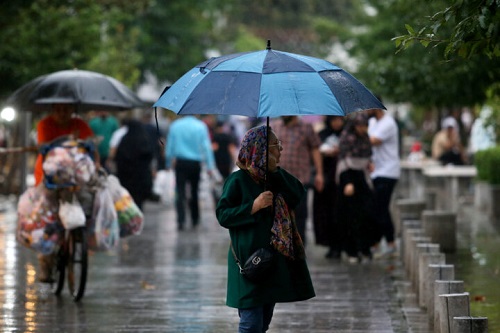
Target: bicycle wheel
[(58, 270), (77, 262)]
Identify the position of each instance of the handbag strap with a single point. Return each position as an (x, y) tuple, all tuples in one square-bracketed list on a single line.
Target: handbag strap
[(238, 262)]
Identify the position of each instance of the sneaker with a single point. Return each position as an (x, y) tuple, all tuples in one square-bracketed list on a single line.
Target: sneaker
[(353, 260), (390, 252)]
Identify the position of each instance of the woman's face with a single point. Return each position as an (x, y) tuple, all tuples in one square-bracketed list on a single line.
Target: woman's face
[(275, 149), (361, 129)]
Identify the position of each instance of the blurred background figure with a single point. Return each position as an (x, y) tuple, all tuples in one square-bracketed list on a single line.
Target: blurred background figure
[(482, 134), (188, 147), (103, 125), (301, 157), (225, 148), (326, 229), (60, 122), (384, 136), (446, 146), (132, 152), (355, 205)]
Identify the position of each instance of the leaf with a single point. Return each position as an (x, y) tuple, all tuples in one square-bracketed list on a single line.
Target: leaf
[(410, 30), (425, 42)]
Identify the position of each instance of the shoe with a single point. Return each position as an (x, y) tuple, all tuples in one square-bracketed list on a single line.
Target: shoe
[(353, 260), (154, 197), (390, 252)]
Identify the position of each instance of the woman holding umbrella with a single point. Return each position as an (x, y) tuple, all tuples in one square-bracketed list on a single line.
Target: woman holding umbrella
[(257, 208)]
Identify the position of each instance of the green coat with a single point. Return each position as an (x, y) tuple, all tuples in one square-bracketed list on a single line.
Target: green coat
[(290, 281)]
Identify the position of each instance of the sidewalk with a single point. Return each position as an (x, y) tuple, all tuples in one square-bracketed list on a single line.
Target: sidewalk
[(170, 281)]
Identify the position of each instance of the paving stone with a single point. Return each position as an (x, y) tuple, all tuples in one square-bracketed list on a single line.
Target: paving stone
[(170, 281)]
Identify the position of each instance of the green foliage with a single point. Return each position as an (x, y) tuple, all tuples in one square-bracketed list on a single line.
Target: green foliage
[(475, 30), (46, 36), (420, 75), (493, 100), (175, 36), (487, 162)]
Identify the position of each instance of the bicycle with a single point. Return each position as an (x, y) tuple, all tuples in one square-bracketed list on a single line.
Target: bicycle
[(71, 259)]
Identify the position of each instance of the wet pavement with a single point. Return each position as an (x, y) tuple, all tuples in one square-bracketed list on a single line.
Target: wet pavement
[(170, 281)]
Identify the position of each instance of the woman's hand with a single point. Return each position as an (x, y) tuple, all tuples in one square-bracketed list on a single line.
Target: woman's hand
[(349, 190), (264, 200)]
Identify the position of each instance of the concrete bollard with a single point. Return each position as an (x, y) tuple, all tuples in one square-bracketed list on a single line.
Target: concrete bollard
[(441, 227), (435, 272), (406, 226), (442, 287), (409, 209), (412, 253), (426, 259), (449, 306), (418, 249), (406, 244), (468, 324), (431, 197)]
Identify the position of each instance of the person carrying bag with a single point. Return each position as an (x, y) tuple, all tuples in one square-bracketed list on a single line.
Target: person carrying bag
[(257, 209)]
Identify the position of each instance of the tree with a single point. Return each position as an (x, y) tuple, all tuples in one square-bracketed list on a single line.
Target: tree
[(175, 36), (475, 29), (43, 36), (418, 76)]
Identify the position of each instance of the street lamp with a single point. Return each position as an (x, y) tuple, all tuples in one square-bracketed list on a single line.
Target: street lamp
[(8, 114)]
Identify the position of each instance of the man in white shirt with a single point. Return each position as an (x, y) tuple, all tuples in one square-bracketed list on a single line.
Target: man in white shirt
[(383, 131)]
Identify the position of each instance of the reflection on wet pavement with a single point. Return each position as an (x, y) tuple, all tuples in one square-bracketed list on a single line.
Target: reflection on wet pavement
[(170, 281)]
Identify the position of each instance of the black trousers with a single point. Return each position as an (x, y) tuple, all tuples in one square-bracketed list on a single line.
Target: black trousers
[(383, 193), (187, 172)]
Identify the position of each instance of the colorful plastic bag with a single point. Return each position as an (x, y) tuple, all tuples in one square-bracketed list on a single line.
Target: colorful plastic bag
[(38, 227), (130, 217)]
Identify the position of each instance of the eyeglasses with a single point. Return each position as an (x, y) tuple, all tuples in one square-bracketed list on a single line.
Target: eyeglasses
[(278, 144)]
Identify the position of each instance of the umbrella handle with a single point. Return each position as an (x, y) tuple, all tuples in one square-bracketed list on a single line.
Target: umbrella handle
[(267, 153)]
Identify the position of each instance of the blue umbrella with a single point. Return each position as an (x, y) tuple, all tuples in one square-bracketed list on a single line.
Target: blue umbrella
[(267, 83)]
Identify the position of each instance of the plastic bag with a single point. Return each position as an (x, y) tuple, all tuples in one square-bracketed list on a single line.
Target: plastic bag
[(71, 214), (130, 217), (104, 234), (164, 186), (37, 223)]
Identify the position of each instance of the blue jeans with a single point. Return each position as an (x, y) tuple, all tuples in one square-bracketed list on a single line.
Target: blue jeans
[(255, 320)]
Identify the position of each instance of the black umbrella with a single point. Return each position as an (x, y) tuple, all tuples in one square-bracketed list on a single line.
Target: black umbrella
[(87, 90)]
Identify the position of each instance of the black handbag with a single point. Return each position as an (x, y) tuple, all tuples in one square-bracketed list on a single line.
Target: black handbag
[(258, 265)]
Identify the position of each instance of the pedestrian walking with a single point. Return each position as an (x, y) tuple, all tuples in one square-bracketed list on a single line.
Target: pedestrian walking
[(302, 159), (384, 137), (103, 125), (326, 229), (257, 208), (132, 152), (355, 190), (188, 146)]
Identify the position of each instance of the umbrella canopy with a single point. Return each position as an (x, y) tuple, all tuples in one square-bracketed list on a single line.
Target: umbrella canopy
[(87, 90), (267, 83)]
